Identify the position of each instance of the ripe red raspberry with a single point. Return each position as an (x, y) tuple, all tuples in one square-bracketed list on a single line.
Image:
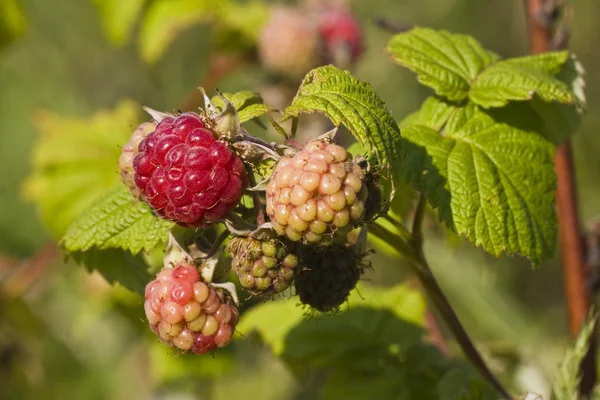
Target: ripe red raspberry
[(187, 175), (341, 35), (316, 193), (289, 43), (128, 153), (264, 267), (330, 274), (187, 313)]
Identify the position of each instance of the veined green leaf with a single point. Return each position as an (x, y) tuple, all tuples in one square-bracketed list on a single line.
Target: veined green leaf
[(118, 18), (166, 19), (550, 62), (352, 102), (492, 182), (521, 79), (249, 105), (443, 61), (117, 220), (75, 160)]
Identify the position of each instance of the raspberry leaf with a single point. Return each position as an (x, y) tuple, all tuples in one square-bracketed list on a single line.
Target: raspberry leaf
[(492, 182), (75, 160), (249, 105), (443, 61), (352, 102), (117, 220), (521, 79), (118, 18), (117, 266)]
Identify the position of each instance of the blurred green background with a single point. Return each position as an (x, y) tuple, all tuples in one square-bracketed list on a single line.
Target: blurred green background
[(67, 334)]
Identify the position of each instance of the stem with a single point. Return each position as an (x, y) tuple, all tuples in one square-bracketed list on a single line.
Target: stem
[(541, 15), (417, 227), (439, 299)]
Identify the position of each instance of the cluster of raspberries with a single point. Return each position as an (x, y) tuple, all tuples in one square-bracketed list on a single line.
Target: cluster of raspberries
[(189, 173)]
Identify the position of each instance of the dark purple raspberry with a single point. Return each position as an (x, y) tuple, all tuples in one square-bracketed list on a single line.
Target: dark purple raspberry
[(329, 274), (186, 175)]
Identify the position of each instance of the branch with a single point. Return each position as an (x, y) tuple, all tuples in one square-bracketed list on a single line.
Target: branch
[(541, 20), (439, 299)]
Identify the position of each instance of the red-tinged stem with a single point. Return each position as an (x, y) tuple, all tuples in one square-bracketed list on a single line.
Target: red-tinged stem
[(576, 272)]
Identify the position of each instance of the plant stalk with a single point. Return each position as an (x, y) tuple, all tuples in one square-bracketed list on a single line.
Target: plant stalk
[(439, 299), (412, 251), (541, 19)]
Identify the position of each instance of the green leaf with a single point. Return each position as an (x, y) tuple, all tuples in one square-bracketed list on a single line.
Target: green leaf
[(166, 19), (521, 79), (249, 105), (443, 61), (117, 266), (492, 182), (352, 102), (75, 160), (118, 18), (566, 384), (550, 62), (558, 121), (117, 220), (274, 320), (434, 113)]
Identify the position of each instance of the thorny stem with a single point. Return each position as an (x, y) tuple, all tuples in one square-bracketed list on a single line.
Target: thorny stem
[(541, 21), (412, 250)]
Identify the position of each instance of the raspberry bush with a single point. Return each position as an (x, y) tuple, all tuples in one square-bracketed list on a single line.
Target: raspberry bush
[(291, 220)]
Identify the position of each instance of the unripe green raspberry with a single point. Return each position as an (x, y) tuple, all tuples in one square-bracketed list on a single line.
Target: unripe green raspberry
[(264, 267), (128, 154), (316, 194), (329, 274)]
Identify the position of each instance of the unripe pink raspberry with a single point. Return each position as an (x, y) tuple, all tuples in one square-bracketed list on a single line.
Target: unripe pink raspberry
[(317, 193), (186, 175), (188, 314), (129, 152), (289, 43)]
